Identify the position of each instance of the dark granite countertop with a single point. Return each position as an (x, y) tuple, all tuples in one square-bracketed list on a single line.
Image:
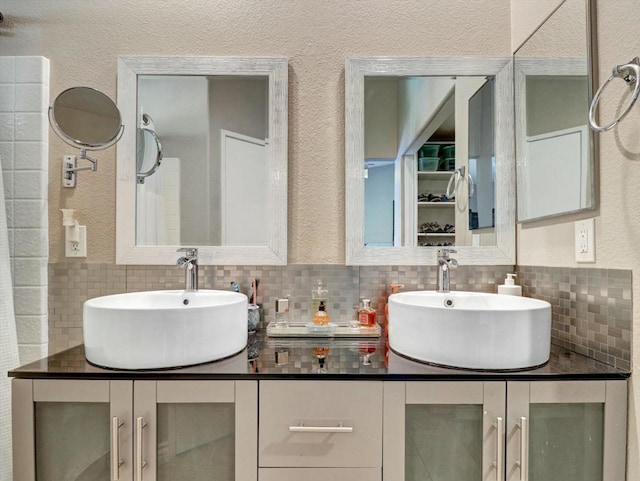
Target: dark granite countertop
[(342, 359)]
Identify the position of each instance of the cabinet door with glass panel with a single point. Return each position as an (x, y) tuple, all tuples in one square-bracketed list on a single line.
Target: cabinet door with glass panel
[(72, 430), (569, 431), (444, 431), (134, 430)]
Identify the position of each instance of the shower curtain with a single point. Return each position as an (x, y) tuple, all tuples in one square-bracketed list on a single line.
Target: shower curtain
[(8, 343)]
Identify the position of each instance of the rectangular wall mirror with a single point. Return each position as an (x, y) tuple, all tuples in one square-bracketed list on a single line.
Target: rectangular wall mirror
[(204, 161), (429, 160), (553, 88)]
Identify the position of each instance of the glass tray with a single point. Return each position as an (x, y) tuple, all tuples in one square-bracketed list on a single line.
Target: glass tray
[(333, 329)]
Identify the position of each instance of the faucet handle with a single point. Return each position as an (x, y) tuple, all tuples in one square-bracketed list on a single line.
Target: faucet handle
[(189, 251)]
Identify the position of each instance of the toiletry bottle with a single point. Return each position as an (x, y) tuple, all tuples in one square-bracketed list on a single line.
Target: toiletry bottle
[(319, 295), (321, 318), (321, 354), (367, 314), (282, 312), (366, 352), (395, 288), (510, 287)]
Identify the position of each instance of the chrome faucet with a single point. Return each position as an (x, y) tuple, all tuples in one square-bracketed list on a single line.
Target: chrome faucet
[(445, 264), (190, 263)]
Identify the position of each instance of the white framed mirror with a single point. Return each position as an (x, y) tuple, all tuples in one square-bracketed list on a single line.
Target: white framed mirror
[(220, 182), (553, 88), (429, 143)]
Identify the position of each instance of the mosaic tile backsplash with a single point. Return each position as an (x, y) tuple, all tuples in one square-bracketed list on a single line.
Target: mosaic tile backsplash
[(73, 283), (591, 307)]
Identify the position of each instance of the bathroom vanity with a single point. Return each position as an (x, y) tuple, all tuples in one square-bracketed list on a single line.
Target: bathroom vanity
[(312, 409)]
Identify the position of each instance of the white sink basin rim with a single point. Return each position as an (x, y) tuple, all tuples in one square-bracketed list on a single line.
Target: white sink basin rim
[(470, 330), (164, 329)]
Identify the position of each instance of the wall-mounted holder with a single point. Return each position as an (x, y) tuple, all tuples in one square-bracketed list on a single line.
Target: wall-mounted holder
[(630, 73), (455, 181), (69, 171), (75, 244)]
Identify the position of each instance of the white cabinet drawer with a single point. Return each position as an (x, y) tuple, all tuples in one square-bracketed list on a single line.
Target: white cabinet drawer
[(320, 424), (319, 474)]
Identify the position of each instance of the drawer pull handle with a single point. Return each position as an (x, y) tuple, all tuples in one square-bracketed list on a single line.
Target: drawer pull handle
[(301, 428)]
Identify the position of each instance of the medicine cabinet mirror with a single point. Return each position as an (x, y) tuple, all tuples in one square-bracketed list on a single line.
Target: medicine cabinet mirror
[(206, 165), (429, 160), (553, 87)]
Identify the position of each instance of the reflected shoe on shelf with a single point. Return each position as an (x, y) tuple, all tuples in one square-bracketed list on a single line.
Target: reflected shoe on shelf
[(429, 197), (430, 228)]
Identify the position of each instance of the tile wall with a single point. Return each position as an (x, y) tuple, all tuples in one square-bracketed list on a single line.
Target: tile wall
[(591, 307), (71, 283), (24, 137)]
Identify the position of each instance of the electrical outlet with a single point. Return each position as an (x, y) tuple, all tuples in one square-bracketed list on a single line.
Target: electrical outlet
[(78, 249), (585, 240)]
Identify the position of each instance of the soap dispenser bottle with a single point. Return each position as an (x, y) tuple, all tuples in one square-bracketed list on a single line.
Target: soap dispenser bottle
[(510, 287)]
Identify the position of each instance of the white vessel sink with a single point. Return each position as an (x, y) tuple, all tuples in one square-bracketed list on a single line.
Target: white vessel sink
[(163, 329), (470, 330)]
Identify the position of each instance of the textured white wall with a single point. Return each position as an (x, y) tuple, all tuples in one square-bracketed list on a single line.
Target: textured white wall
[(381, 118), (551, 243), (179, 107), (526, 16), (83, 40), (419, 98)]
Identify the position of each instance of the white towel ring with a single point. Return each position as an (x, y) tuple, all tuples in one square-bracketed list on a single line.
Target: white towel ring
[(630, 73)]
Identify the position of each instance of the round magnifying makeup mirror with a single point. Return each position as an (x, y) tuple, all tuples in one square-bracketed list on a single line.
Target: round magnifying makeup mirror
[(88, 120)]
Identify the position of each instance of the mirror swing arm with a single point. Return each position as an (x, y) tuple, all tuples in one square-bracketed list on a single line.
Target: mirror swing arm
[(69, 171)]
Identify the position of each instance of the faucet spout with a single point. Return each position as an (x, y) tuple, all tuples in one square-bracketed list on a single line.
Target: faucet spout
[(445, 264), (190, 263)]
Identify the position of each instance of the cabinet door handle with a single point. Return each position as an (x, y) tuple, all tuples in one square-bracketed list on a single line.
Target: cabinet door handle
[(524, 449), (116, 462), (499, 462), (301, 428), (140, 464)]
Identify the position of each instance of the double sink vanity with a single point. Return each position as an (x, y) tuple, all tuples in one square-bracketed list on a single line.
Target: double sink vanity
[(168, 385), (291, 409), (510, 406)]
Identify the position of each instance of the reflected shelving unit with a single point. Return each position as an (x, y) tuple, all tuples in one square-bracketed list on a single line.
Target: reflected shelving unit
[(429, 212)]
